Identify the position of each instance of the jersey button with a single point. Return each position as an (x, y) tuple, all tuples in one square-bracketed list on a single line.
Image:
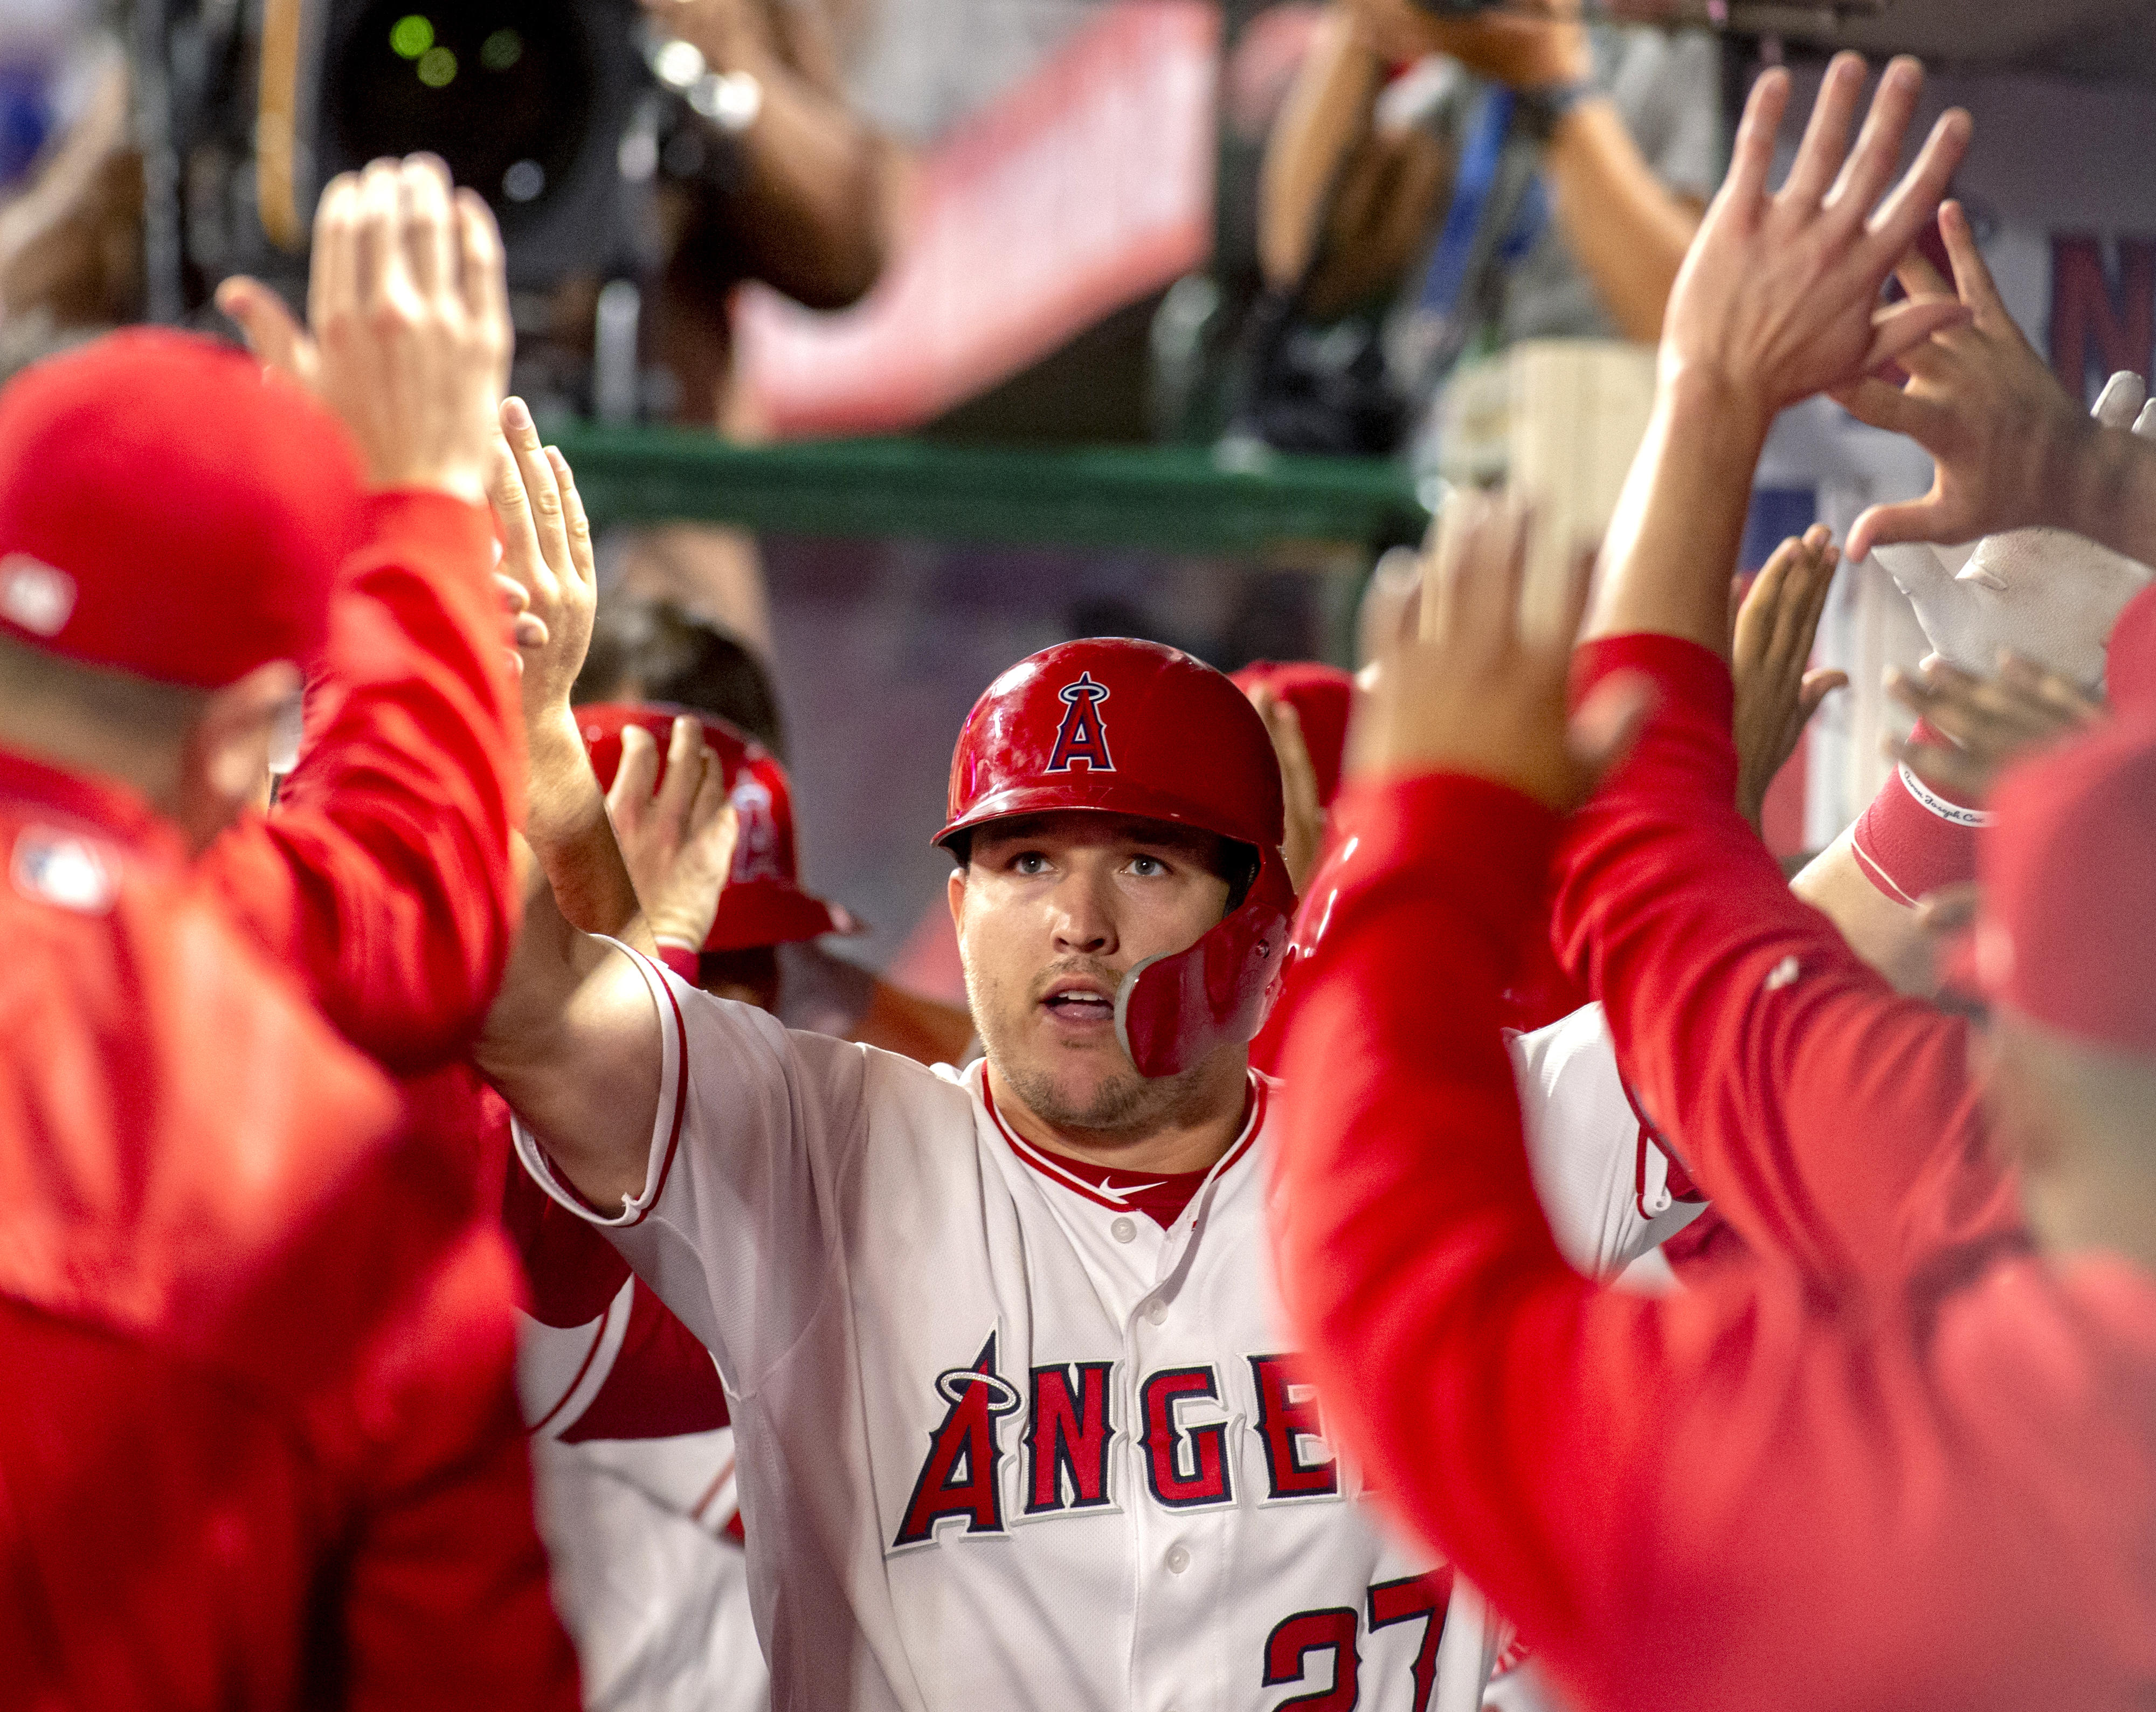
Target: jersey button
[(1178, 1558), (1156, 1312), (1124, 1230)]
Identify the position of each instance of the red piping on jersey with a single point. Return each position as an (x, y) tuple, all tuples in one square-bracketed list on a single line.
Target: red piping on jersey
[(725, 1473), (583, 1367), (1059, 1172), (680, 1103)]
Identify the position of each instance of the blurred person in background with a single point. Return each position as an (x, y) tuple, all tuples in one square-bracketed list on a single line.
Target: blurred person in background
[(785, 186), (1388, 196)]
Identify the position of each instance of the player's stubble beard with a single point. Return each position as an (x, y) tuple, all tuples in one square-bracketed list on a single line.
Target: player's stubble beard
[(1121, 1104)]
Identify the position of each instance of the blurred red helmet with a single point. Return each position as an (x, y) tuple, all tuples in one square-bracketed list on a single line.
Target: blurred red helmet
[(168, 509), (1321, 696), (1127, 727), (2067, 933), (763, 903)]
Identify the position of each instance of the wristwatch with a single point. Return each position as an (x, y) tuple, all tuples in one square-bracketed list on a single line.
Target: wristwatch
[(1536, 113)]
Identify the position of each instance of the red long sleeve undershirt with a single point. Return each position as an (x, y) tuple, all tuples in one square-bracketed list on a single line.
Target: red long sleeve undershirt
[(1835, 1123), (1760, 1495), (382, 878)]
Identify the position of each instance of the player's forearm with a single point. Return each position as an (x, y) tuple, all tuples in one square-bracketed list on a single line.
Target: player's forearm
[(1327, 108), (812, 210), (1436, 1309), (1680, 526), (384, 877), (572, 1046), (1626, 230), (1806, 1098), (569, 833)]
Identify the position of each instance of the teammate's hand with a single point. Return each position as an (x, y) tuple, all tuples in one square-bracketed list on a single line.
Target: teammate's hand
[(2044, 593), (1485, 693), (1523, 53), (678, 839), (546, 557), (408, 334), (1991, 723), (2009, 442), (1776, 695), (1304, 831), (1779, 296)]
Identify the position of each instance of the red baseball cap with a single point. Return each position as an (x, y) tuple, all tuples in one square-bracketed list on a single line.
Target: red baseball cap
[(169, 508), (763, 903), (1322, 697), (2068, 938)]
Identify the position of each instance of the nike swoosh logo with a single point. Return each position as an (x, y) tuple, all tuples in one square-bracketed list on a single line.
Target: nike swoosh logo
[(1128, 1189)]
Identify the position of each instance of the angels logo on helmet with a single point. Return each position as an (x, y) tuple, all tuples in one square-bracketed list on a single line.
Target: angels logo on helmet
[(1083, 736)]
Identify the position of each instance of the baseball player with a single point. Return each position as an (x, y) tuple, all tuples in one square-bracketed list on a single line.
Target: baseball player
[(268, 1453), (1016, 1422), (632, 1440)]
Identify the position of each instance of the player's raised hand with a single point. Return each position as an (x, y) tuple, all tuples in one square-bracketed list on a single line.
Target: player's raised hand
[(408, 334), (1779, 297), (2010, 444), (1777, 693), (1305, 815), (548, 570), (1482, 691), (1989, 724), (676, 832)]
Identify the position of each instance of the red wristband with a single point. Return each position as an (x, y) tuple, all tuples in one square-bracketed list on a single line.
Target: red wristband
[(679, 959), (1913, 839)]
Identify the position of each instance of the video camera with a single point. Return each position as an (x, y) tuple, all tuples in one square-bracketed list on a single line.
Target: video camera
[(550, 109)]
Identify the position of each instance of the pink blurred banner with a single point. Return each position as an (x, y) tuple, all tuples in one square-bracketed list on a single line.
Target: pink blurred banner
[(1079, 191)]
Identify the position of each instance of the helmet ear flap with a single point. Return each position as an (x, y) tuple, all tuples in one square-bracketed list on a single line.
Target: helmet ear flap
[(1174, 1011)]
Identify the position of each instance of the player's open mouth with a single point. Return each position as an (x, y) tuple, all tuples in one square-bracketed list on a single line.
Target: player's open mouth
[(1080, 1003)]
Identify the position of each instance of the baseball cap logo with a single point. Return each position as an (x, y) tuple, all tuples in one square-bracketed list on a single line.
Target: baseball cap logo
[(35, 596), (1083, 739), (51, 867)]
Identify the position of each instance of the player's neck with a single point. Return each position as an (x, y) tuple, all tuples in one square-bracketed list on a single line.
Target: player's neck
[(1193, 1131)]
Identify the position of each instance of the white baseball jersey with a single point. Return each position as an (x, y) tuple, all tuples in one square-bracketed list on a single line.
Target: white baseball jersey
[(649, 1582), (1002, 1442), (1603, 1182)]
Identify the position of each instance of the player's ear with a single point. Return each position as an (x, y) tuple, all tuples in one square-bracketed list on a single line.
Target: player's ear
[(956, 892), (225, 763)]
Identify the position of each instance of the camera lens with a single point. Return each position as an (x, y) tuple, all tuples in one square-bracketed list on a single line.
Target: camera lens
[(501, 90)]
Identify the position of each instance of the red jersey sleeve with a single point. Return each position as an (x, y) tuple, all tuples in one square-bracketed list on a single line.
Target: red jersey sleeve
[(445, 1600), (1708, 1501), (382, 878), (1833, 1122)]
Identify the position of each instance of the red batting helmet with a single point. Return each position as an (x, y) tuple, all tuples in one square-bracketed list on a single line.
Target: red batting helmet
[(1127, 727), (763, 903), (1322, 697), (168, 509)]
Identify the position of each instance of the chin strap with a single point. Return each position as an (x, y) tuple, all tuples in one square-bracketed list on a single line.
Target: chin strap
[(1174, 1011)]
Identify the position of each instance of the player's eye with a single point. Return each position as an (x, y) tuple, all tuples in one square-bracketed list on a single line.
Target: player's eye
[(1147, 868), (1030, 862)]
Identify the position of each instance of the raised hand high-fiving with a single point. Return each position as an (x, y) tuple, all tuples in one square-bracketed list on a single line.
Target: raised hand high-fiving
[(407, 337), (1779, 298)]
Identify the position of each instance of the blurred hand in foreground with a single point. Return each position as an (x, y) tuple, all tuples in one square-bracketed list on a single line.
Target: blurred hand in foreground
[(407, 337), (1485, 693), (1546, 50), (1777, 694), (1989, 723)]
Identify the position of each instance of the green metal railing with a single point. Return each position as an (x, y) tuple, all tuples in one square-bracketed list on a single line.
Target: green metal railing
[(1318, 513)]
